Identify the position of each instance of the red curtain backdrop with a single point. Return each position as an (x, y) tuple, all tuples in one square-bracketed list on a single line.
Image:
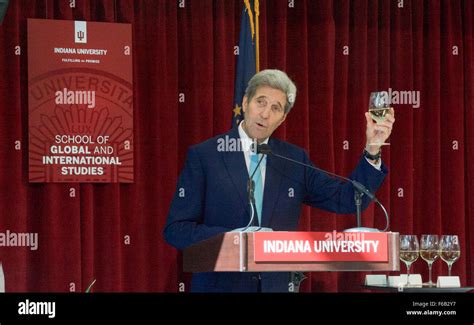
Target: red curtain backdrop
[(336, 51)]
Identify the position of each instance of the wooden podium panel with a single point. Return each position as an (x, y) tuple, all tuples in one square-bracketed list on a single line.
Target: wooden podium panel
[(234, 252), (219, 253)]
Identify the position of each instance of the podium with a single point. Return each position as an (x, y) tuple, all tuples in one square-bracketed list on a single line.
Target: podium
[(235, 252)]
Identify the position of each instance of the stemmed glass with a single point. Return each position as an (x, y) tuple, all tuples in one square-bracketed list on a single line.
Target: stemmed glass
[(429, 251), (449, 250), (379, 106), (409, 252)]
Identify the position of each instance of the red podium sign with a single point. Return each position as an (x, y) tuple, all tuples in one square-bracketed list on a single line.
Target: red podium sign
[(294, 251), (320, 247)]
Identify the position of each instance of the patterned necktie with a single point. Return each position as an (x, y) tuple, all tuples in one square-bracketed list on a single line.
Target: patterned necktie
[(258, 192)]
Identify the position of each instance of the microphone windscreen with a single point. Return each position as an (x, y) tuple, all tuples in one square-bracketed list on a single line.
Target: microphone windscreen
[(264, 149)]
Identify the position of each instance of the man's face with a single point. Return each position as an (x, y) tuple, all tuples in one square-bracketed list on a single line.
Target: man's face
[(264, 113)]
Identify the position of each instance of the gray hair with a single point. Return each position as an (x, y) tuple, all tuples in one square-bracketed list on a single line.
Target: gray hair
[(275, 79)]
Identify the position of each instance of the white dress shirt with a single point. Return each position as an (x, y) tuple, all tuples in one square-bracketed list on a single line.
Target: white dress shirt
[(246, 143)]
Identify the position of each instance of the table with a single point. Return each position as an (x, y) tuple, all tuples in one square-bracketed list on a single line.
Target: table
[(417, 289)]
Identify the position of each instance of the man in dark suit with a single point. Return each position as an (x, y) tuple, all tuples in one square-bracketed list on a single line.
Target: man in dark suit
[(211, 195)]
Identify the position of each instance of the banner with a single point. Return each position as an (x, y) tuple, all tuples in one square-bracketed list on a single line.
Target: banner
[(80, 91), (320, 247)]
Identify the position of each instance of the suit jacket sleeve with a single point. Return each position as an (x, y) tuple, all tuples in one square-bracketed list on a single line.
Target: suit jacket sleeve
[(328, 193), (184, 225)]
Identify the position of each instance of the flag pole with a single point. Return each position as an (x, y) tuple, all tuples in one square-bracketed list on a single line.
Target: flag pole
[(257, 33)]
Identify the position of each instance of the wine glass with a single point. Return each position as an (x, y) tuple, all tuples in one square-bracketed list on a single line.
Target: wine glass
[(449, 250), (379, 106), (429, 251), (409, 252)]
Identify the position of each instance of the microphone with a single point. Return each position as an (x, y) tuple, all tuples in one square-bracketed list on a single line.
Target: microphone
[(360, 190)]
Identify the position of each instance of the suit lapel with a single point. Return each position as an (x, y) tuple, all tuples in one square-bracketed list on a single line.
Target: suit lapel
[(235, 164)]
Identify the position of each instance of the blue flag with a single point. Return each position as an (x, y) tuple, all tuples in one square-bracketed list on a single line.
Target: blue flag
[(247, 61)]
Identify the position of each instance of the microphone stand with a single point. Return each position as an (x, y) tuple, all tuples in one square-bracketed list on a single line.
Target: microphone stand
[(251, 197), (358, 187)]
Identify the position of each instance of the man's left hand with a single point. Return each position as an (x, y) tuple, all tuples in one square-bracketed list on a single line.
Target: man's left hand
[(378, 132)]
